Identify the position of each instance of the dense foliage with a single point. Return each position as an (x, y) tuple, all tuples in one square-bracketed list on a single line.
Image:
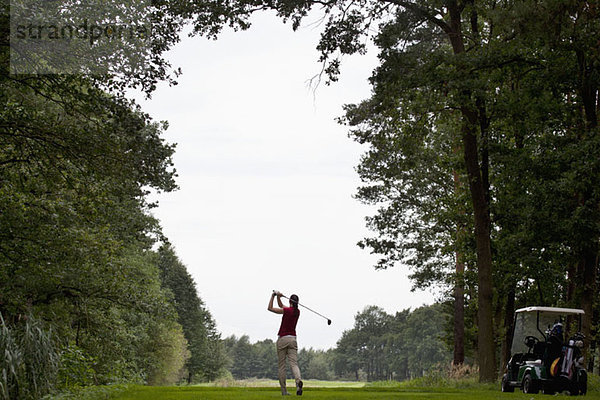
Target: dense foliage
[(259, 360), (393, 347), (76, 165), (74, 224), (380, 346), (531, 88), (207, 357)]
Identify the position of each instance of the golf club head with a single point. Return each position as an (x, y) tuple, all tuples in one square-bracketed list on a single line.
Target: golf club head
[(328, 322)]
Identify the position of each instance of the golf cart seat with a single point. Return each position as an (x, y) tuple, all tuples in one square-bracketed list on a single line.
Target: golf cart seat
[(537, 349)]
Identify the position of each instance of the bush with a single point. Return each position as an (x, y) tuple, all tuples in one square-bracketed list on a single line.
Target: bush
[(76, 368), (593, 383), (89, 393), (31, 360), (167, 354)]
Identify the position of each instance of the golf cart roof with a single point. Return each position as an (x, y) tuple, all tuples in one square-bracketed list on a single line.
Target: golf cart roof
[(555, 310)]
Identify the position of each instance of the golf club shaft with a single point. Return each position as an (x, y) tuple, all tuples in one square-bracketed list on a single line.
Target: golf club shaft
[(308, 308)]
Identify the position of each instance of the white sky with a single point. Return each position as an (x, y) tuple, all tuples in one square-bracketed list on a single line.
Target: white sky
[(266, 182)]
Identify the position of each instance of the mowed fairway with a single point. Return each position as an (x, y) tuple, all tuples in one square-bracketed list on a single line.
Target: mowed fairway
[(214, 393)]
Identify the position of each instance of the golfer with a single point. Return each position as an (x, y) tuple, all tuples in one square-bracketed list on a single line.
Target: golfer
[(287, 347)]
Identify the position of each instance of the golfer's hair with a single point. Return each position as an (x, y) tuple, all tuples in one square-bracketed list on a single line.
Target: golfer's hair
[(294, 302)]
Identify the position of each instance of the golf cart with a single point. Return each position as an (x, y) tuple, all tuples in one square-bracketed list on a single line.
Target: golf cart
[(543, 360)]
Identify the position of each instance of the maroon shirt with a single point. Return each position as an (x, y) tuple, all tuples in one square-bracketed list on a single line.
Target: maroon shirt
[(289, 321)]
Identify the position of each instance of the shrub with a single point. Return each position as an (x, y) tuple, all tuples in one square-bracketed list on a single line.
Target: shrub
[(76, 368), (89, 393)]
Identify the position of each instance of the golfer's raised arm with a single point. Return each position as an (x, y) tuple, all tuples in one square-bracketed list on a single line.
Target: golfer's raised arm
[(275, 309), (279, 302)]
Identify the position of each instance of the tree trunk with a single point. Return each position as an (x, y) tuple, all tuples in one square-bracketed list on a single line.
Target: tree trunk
[(509, 321), (459, 293), (485, 338), (588, 264), (470, 117), (588, 295), (459, 313)]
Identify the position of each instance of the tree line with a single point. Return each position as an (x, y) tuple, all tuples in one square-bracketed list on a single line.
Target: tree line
[(380, 346), (90, 290)]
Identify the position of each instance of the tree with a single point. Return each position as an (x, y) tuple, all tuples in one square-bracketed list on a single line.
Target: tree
[(266, 351), (167, 354), (385, 347), (75, 167), (315, 364), (546, 176), (203, 340), (411, 169), (426, 103), (76, 162), (131, 38), (244, 359), (515, 69), (422, 334), (347, 357), (73, 188)]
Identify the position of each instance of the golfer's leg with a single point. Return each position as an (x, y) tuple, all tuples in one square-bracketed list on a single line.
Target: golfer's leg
[(281, 352), (293, 359)]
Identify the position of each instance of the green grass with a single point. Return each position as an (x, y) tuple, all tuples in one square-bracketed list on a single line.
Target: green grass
[(255, 389), (271, 383), (366, 393)]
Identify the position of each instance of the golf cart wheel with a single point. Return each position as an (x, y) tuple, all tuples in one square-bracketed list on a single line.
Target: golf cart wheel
[(574, 389), (506, 387), (547, 390), (529, 385)]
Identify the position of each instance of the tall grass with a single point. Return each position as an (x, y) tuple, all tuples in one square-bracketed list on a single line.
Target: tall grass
[(31, 360), (443, 377)]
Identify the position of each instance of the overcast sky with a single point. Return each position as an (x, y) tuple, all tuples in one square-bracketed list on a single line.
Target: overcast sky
[(267, 180)]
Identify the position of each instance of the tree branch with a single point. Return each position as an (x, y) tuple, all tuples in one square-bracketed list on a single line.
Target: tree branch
[(423, 12)]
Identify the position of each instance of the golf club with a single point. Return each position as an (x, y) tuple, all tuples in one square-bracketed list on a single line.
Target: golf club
[(309, 309)]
